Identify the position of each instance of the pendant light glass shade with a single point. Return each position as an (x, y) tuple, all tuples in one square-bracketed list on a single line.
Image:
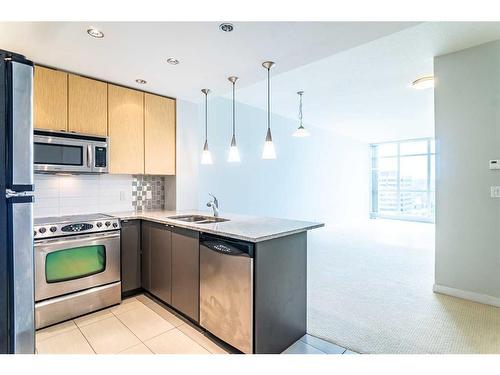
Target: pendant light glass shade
[(268, 152), (301, 131), (234, 154), (206, 156)]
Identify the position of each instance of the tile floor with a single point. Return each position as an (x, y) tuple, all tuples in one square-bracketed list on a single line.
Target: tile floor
[(139, 325)]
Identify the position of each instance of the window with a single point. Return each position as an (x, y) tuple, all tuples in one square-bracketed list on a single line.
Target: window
[(74, 263), (402, 180)]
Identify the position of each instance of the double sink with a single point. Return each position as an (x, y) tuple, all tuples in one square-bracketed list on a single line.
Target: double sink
[(198, 219)]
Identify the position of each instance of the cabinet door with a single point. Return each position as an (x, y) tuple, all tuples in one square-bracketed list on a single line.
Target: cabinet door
[(87, 105), (126, 130), (146, 255), (130, 255), (159, 135), (161, 262), (186, 272), (50, 98)]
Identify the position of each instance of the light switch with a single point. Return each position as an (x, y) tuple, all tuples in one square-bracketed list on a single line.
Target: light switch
[(495, 191), (494, 164), (122, 195)]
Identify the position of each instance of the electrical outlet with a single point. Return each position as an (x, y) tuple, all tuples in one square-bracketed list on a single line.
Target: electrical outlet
[(149, 194), (495, 191), (494, 164)]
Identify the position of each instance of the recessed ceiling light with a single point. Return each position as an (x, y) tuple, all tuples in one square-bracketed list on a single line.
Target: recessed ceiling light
[(423, 83), (226, 27), (141, 81), (172, 61), (93, 32)]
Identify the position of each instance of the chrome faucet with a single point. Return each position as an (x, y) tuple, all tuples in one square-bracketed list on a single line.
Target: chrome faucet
[(214, 203)]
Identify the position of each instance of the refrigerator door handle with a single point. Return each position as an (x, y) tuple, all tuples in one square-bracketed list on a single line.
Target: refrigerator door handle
[(12, 194)]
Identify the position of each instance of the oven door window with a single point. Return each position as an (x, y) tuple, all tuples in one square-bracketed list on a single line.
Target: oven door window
[(75, 263), (57, 154)]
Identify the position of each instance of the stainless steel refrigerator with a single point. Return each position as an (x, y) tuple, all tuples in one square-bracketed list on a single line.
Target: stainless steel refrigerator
[(17, 328)]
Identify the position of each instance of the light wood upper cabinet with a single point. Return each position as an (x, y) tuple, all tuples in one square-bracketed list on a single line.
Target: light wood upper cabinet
[(126, 130), (159, 135), (87, 106), (50, 99)]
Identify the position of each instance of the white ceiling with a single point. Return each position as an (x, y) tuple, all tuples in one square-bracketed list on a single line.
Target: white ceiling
[(208, 56), (365, 92), (355, 75)]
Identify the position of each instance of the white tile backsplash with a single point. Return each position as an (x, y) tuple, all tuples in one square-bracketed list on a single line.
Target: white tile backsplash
[(57, 195)]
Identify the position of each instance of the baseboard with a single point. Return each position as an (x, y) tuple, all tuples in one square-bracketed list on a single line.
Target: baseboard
[(465, 294)]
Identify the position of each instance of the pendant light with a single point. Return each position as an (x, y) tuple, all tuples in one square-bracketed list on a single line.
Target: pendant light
[(234, 155), (268, 152), (301, 131), (206, 156)]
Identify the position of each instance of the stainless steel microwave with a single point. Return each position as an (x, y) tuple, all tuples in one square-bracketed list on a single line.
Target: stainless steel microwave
[(67, 152)]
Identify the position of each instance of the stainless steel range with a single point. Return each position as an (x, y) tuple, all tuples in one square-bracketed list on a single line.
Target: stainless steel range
[(77, 266)]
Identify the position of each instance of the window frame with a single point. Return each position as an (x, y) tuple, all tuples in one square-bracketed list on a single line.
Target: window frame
[(375, 214)]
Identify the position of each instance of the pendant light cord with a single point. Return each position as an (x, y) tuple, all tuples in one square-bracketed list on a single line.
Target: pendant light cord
[(300, 109), (206, 117), (233, 112), (268, 99)]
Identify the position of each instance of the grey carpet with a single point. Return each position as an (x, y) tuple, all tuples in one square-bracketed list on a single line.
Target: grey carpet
[(370, 290)]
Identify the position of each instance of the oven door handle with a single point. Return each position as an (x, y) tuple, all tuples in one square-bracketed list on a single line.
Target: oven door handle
[(79, 238)]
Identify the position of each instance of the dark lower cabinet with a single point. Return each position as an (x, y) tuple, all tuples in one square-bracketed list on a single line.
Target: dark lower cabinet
[(186, 272), (160, 248), (130, 255), (280, 293)]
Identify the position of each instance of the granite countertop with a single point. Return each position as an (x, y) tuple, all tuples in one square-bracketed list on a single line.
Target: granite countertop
[(241, 227)]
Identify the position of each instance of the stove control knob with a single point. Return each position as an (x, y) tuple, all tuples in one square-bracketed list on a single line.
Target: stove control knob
[(34, 233), (53, 229), (107, 223), (42, 230), (99, 224), (115, 225)]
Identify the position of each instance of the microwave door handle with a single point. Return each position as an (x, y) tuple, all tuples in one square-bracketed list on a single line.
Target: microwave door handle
[(89, 156)]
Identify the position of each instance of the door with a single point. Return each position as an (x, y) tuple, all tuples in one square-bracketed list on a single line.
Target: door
[(226, 293), (146, 255), (161, 262), (20, 229), (186, 272), (87, 106), (159, 135), (130, 255), (61, 153), (50, 99), (70, 264), (126, 130), (18, 221)]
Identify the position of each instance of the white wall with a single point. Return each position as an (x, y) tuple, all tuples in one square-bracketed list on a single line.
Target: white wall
[(81, 194), (323, 177), (188, 144), (467, 113)]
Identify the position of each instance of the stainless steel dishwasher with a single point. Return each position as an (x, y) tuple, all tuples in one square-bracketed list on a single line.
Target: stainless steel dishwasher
[(226, 290)]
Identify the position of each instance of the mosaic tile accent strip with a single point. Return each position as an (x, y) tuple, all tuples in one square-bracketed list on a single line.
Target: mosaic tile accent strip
[(148, 192)]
